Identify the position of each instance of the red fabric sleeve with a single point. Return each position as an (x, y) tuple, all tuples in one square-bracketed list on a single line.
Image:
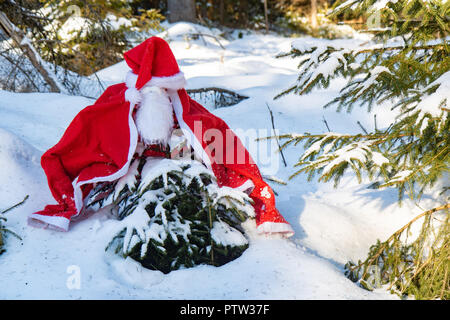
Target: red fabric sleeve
[(80, 147)]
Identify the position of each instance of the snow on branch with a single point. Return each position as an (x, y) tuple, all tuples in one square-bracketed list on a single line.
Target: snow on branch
[(330, 154), (322, 63), (434, 101), (369, 5)]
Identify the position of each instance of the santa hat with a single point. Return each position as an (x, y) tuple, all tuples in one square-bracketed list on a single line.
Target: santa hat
[(153, 64)]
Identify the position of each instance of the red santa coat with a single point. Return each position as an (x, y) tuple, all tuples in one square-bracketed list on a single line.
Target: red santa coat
[(101, 141)]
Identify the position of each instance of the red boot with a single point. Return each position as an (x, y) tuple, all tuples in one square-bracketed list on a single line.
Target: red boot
[(54, 216)]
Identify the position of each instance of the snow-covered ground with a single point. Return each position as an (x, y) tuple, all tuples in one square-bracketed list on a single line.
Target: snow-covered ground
[(332, 225)]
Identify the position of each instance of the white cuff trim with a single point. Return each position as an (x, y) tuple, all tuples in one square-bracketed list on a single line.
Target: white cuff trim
[(246, 187), (52, 222), (275, 227)]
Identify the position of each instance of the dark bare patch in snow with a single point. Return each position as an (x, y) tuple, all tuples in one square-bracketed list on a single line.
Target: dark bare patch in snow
[(214, 98)]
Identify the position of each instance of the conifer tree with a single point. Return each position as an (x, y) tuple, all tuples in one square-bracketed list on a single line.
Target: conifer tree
[(174, 215), (92, 35), (4, 232), (69, 39), (407, 63)]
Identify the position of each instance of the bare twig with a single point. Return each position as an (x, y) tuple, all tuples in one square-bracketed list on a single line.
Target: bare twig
[(208, 35), (201, 90), (16, 64), (19, 38), (273, 127), (361, 126), (326, 123), (79, 54), (275, 179), (399, 231), (266, 16), (16, 205)]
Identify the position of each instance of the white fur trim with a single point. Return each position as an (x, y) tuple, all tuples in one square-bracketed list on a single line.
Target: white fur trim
[(275, 227), (131, 79), (52, 222), (188, 133), (247, 186), (133, 95), (154, 117), (175, 82)]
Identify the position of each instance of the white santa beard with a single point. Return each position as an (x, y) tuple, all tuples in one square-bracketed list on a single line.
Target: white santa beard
[(154, 117)]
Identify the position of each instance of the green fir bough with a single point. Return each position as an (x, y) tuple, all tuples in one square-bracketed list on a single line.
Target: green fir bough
[(3, 230), (407, 66)]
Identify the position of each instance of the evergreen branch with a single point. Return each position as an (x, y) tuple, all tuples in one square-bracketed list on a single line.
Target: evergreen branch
[(403, 48), (445, 281), (10, 232), (299, 137), (400, 231), (419, 168), (416, 73), (405, 266), (210, 222), (4, 230), (368, 49)]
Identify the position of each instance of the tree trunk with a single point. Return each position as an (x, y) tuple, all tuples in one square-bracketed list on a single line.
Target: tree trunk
[(266, 16), (211, 9), (222, 12), (314, 14), (181, 10), (243, 8)]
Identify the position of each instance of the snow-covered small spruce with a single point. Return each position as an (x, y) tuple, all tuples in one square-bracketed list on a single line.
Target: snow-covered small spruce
[(174, 215), (408, 64)]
